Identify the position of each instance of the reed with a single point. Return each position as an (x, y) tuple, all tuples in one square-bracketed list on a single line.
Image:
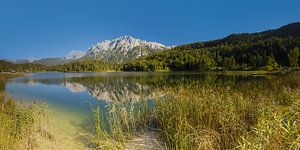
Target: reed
[(120, 122), (248, 115), (19, 123)]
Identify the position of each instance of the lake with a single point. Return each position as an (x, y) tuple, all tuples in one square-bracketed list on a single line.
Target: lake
[(77, 92), (70, 97)]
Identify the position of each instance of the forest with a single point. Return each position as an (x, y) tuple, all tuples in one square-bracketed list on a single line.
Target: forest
[(76, 66), (6, 66), (269, 50), (91, 65)]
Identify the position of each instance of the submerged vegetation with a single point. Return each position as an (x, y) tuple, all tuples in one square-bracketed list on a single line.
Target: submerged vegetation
[(248, 115), (20, 125)]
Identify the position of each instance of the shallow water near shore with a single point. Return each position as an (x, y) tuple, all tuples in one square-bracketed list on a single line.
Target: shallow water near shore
[(71, 96)]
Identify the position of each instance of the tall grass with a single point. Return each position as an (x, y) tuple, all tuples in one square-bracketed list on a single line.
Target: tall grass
[(122, 121), (252, 115), (249, 115), (19, 123)]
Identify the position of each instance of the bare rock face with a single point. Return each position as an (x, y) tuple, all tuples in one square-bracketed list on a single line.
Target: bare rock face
[(122, 49), (117, 50)]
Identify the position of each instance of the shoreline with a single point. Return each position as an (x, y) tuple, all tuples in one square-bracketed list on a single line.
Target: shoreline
[(224, 72)]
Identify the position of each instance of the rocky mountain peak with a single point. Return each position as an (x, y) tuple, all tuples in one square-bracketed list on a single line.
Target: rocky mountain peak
[(123, 48)]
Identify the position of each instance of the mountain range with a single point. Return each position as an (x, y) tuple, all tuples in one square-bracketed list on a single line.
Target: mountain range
[(123, 49), (118, 50), (266, 50)]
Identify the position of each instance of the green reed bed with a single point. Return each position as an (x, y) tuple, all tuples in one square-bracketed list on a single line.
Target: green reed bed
[(122, 121), (248, 115), (252, 115), (19, 123)]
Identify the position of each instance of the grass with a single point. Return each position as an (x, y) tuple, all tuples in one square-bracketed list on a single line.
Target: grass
[(19, 123), (256, 72), (114, 128), (221, 118), (260, 114), (248, 115)]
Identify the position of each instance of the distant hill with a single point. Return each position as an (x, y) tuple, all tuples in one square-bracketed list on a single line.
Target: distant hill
[(6, 66), (268, 50), (247, 51), (290, 30), (52, 61)]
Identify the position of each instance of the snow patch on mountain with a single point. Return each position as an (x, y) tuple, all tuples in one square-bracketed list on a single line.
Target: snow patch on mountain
[(123, 48), (75, 54)]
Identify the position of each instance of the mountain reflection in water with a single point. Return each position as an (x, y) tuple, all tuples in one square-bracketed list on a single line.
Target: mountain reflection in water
[(115, 87)]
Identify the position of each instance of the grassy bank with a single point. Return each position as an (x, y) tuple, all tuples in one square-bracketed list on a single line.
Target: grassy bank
[(225, 118), (20, 125), (248, 115)]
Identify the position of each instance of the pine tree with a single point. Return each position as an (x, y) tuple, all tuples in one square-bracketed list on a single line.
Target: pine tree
[(294, 57), (271, 63)]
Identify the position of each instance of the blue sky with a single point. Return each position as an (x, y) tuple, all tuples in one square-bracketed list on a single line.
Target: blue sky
[(50, 28)]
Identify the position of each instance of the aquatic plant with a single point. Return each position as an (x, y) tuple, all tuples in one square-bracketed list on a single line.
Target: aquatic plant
[(120, 122), (247, 115)]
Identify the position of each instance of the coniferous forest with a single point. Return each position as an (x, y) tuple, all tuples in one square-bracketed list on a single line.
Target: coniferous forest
[(269, 50), (149, 75)]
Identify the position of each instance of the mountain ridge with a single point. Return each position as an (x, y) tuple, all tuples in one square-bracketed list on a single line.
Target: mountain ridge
[(266, 50), (240, 50), (291, 29), (123, 49), (117, 50)]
